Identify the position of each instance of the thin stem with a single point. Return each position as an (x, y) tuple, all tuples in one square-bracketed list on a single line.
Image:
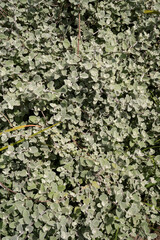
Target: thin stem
[(79, 33), (7, 119), (44, 117), (6, 188)]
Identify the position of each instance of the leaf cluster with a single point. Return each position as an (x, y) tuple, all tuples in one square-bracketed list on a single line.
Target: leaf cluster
[(96, 175)]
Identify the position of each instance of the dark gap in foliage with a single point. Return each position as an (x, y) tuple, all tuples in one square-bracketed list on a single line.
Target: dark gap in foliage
[(55, 162), (11, 140), (81, 230), (69, 187), (58, 83), (27, 115), (17, 165)]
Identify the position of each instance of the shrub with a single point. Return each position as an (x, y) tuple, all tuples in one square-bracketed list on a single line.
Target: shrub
[(96, 175)]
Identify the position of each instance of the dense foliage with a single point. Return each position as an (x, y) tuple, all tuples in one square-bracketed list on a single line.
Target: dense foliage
[(95, 175)]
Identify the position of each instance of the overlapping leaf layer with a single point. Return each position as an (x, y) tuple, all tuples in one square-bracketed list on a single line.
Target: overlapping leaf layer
[(96, 175)]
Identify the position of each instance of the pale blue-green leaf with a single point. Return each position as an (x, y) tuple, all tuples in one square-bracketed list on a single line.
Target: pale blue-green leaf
[(33, 119), (88, 65), (41, 208), (26, 217), (33, 149), (84, 75), (66, 43), (94, 72)]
